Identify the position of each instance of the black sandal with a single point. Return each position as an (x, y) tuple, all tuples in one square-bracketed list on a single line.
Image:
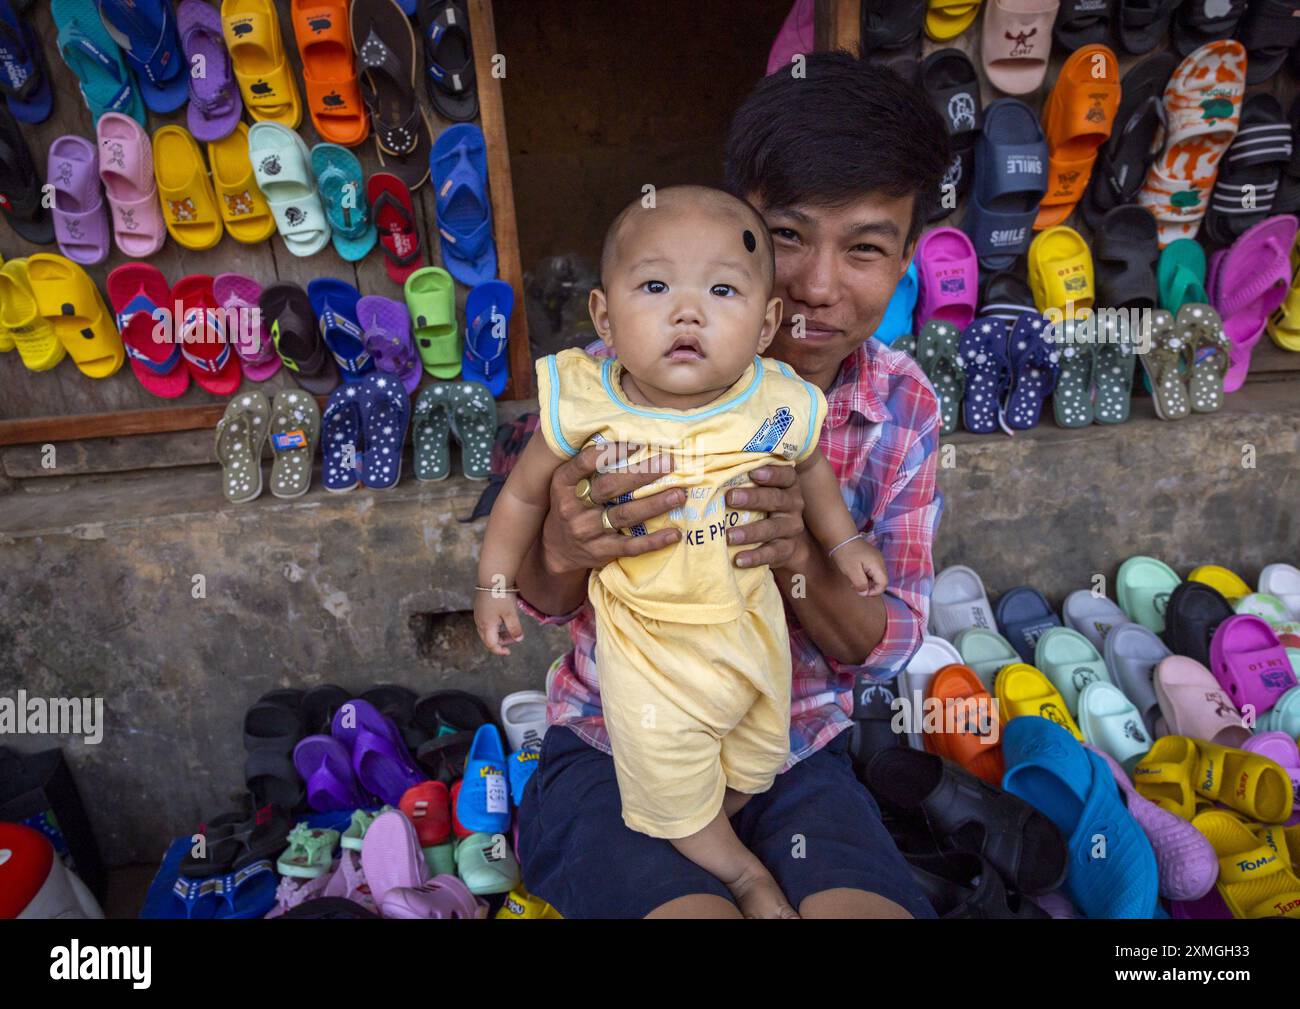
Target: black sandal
[(20, 185), (1141, 25), (952, 86), (967, 886), (449, 59), (890, 33), (273, 780), (398, 703), (1252, 167), (873, 715), (234, 840), (1080, 23), (968, 815), (1192, 615), (1195, 25), (1126, 249)]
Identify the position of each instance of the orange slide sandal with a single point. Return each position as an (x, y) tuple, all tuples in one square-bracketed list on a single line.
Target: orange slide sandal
[(329, 71), (969, 711), (1077, 119)]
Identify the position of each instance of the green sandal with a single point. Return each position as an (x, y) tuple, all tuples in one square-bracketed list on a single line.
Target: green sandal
[(905, 344), (430, 431), (356, 832), (1113, 372), (241, 433), (1072, 397), (1207, 347), (310, 852), (295, 430), (936, 352), (1162, 364), (474, 425), (431, 300)]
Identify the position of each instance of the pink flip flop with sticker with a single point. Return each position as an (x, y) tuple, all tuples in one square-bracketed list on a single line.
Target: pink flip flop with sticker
[(949, 275), (126, 169), (239, 295), (1250, 663), (1247, 282)]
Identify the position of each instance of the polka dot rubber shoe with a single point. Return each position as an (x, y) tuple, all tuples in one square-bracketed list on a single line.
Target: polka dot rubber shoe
[(1072, 398), (983, 352), (1208, 347), (295, 429), (1034, 367), (1113, 372), (241, 434), (385, 414), (474, 425)]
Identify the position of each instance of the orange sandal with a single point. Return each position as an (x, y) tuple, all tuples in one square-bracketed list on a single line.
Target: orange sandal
[(329, 71), (1077, 120), (969, 711)]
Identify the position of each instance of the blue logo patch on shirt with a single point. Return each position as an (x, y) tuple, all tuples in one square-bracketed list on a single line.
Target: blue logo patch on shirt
[(768, 436)]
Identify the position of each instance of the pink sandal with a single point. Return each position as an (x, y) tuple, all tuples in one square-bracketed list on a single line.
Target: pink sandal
[(949, 275), (1250, 663), (126, 169), (239, 295), (1246, 282)]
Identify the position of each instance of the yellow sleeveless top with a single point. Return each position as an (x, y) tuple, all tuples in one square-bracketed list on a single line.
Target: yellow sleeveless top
[(770, 416)]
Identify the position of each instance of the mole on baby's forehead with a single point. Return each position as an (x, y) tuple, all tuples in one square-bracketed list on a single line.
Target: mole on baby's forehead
[(751, 243)]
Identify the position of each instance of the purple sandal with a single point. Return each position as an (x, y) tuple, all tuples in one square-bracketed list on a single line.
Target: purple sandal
[(215, 105), (80, 216), (379, 756), (325, 767), (387, 327)]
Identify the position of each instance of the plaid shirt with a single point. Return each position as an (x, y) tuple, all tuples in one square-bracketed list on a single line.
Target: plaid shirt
[(880, 435)]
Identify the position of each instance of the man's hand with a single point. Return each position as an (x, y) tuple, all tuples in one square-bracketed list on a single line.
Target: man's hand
[(575, 539), (780, 540)]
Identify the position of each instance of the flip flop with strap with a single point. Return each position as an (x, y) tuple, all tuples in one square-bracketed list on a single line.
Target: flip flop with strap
[(387, 328), (328, 71), (241, 435), (260, 63), (343, 194), (474, 426), (448, 59), (215, 106), (291, 324), (385, 414), (431, 430), (24, 74), (1035, 364), (281, 167), (295, 429), (1209, 350), (1164, 363), (208, 354), (335, 305), (1010, 180), (146, 32), (239, 296), (95, 59), (126, 169), (137, 291), (189, 204), (431, 300), (464, 212), (936, 352), (399, 236), (983, 350), (1115, 363), (244, 210), (340, 439), (80, 220), (487, 318), (1072, 395), (386, 62)]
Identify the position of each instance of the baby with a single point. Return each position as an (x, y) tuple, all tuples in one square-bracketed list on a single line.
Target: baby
[(693, 651)]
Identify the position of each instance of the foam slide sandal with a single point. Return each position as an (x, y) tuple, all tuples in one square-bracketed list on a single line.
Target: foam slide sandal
[(185, 190), (1015, 43), (986, 652), (1257, 878), (949, 274), (965, 704), (1283, 581), (1143, 586), (70, 301), (1247, 782), (1060, 271), (1071, 662), (21, 319), (1249, 662), (1023, 691), (126, 169), (1193, 704), (244, 209), (261, 65), (1023, 616), (914, 680), (1010, 180), (959, 601), (1111, 722), (1193, 613), (1132, 653), (328, 70), (80, 220), (281, 167), (1092, 615)]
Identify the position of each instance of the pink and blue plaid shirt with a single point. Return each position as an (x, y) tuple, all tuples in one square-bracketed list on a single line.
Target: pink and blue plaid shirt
[(880, 436)]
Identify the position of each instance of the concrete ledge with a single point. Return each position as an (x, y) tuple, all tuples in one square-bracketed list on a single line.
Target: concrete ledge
[(98, 574)]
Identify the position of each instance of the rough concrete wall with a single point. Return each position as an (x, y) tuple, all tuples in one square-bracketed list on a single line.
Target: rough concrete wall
[(97, 576)]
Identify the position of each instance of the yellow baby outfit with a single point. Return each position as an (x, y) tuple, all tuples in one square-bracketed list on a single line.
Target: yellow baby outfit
[(693, 653)]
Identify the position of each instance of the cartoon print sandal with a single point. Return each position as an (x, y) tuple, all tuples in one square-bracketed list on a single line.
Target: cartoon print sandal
[(295, 429), (257, 55), (80, 219), (188, 202), (281, 166), (430, 431), (241, 433), (243, 207), (1163, 363), (126, 169)]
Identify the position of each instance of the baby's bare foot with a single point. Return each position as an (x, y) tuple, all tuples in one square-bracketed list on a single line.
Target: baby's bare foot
[(758, 896)]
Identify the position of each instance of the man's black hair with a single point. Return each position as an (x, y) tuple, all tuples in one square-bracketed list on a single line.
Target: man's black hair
[(845, 129)]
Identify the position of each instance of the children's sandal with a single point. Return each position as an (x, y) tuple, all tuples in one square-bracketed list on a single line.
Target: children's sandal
[(310, 852), (1207, 348), (1163, 362)]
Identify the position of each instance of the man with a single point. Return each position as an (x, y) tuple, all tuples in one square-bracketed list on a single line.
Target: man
[(841, 163)]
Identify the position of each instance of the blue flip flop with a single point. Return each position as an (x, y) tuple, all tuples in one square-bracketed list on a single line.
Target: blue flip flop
[(385, 415), (335, 305), (1034, 369), (200, 898), (145, 30), (484, 803), (458, 165), (1024, 616), (1010, 180), (340, 435), (248, 892), (983, 354), (343, 193), (24, 75), (90, 53), (897, 319), (1112, 868), (487, 315)]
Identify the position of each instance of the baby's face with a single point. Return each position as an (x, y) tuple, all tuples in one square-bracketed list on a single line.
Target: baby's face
[(687, 300)]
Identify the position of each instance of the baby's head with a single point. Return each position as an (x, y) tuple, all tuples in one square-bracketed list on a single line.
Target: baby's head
[(685, 297)]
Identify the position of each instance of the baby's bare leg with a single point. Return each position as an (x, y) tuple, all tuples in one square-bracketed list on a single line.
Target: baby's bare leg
[(733, 802), (718, 850)]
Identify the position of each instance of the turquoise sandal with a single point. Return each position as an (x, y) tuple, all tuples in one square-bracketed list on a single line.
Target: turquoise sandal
[(310, 852)]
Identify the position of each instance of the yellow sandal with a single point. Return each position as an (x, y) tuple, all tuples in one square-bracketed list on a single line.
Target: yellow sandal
[(72, 304)]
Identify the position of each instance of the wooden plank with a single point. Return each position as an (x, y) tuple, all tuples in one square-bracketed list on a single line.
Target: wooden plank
[(505, 227), (110, 455), (837, 25)]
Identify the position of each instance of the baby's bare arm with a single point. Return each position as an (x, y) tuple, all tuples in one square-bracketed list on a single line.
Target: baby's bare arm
[(824, 511), (518, 514)]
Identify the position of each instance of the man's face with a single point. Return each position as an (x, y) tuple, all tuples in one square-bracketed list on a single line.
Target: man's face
[(836, 268)]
